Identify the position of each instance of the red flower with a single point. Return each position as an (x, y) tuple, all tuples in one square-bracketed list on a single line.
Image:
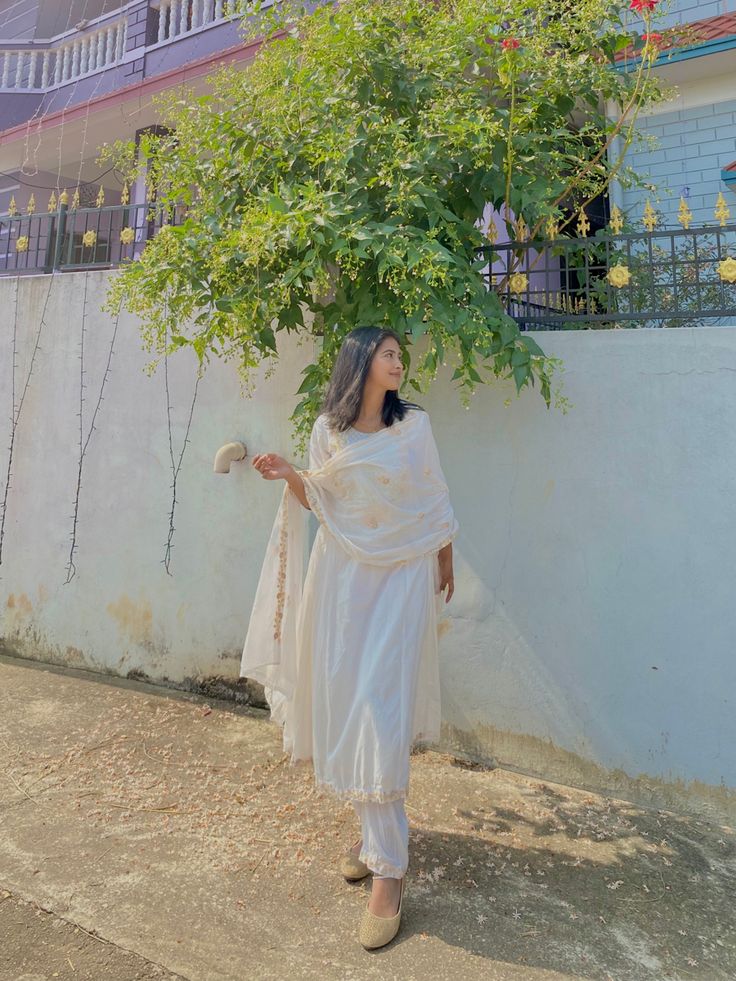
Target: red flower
[(652, 38), (509, 42), (641, 5)]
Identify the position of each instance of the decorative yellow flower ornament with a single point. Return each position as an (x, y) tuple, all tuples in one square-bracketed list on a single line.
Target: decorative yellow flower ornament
[(518, 282), (619, 276), (727, 270), (21, 243), (127, 235), (90, 237)]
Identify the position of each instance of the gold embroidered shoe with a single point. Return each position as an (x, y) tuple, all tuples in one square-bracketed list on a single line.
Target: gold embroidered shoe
[(352, 867), (376, 931)]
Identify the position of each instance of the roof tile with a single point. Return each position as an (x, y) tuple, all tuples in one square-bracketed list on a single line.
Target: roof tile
[(707, 29)]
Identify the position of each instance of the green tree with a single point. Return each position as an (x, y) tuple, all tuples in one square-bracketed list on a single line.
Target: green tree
[(346, 170)]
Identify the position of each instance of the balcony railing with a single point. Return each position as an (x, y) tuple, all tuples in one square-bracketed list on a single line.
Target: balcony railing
[(41, 65), (651, 278), (79, 238), (37, 66), (179, 17)]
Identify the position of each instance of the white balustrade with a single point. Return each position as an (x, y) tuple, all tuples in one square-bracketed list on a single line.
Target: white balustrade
[(174, 20), (66, 62), (104, 45), (163, 9), (120, 37), (183, 17), (100, 49)]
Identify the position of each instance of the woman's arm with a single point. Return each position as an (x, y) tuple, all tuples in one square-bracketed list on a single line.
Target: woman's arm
[(446, 575), (296, 483), (274, 467), (433, 468)]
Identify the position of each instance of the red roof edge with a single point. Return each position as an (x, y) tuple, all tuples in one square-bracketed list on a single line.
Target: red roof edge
[(707, 29)]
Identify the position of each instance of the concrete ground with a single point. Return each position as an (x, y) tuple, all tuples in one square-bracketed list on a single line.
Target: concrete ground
[(155, 834)]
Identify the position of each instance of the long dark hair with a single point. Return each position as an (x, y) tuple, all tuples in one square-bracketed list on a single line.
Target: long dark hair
[(345, 389)]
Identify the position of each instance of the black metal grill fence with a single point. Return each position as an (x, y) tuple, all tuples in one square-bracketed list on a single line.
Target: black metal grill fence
[(666, 277), (62, 240), (656, 278)]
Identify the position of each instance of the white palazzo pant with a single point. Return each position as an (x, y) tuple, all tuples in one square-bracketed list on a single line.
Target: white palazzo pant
[(385, 837)]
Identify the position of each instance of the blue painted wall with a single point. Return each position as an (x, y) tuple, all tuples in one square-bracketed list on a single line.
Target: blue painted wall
[(695, 145), (684, 11)]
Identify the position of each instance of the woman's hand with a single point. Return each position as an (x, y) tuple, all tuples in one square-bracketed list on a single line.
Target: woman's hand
[(271, 466), (444, 557)]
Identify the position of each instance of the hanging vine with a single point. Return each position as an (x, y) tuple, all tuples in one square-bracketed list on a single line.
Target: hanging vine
[(83, 443), (15, 415), (176, 467)]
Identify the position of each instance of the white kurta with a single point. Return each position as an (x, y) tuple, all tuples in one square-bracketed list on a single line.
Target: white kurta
[(364, 685)]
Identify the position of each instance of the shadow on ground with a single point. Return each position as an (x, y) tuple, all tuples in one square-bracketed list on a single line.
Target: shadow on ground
[(174, 829)]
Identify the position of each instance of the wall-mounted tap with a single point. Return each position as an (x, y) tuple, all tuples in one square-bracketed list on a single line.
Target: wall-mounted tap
[(226, 454)]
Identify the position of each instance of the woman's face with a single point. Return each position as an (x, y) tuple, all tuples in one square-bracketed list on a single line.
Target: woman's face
[(386, 368)]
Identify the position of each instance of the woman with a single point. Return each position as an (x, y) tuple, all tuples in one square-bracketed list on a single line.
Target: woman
[(348, 654)]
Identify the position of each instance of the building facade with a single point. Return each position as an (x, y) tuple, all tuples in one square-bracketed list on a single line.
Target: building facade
[(68, 85), (695, 156), (75, 76)]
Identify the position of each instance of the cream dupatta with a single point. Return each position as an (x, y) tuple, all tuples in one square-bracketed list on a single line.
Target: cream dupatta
[(383, 499)]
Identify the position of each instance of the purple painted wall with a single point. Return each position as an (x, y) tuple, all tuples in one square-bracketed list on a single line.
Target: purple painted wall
[(17, 107), (55, 18), (191, 47), (18, 18)]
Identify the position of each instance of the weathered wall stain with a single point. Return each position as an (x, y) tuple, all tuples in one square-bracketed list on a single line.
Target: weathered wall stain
[(30, 643), (74, 657), (21, 604), (18, 610), (134, 619)]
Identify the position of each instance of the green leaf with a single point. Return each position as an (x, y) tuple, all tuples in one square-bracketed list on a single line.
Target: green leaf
[(532, 345), (418, 329), (275, 203), (308, 385), (267, 338)]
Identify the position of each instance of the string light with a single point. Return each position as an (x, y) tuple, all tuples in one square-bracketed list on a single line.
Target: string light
[(48, 110), (51, 187), (41, 114)]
